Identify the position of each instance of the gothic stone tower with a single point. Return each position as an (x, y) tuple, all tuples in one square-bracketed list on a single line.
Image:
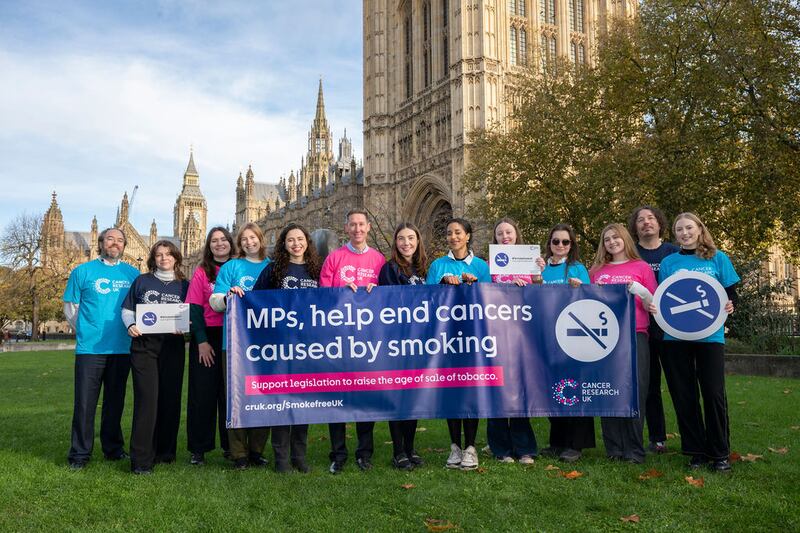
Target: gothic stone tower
[(314, 173), (190, 212), (436, 70)]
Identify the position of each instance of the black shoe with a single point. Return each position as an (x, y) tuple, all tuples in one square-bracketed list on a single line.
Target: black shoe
[(364, 464), (301, 466), (256, 459), (697, 462), (77, 465), (634, 460), (226, 455), (723, 466), (141, 471), (551, 451), (164, 459), (569, 455), (241, 464), (336, 467), (120, 456), (401, 462), (197, 459), (283, 467), (415, 459)]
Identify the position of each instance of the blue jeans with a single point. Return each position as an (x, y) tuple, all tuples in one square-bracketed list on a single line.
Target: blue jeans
[(511, 437)]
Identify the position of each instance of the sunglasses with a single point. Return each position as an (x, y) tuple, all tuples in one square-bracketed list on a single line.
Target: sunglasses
[(564, 242)]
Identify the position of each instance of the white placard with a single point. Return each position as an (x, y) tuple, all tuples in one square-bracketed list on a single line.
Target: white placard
[(162, 318), (513, 259)]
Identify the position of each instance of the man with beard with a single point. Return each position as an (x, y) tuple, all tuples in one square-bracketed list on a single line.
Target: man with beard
[(92, 301)]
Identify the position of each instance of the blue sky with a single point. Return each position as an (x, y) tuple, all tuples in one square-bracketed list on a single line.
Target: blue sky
[(97, 97)]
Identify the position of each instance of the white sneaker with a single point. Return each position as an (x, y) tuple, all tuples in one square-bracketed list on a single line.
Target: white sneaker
[(506, 459), (526, 460), (470, 459), (454, 460)]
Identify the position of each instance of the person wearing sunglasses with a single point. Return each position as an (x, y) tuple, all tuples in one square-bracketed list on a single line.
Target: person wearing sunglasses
[(569, 435)]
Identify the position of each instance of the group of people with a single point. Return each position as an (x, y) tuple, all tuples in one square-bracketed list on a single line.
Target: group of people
[(101, 298)]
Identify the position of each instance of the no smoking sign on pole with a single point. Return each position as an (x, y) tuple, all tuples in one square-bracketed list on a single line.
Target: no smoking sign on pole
[(691, 305)]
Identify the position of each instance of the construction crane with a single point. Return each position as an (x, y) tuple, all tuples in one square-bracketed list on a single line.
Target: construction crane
[(130, 202)]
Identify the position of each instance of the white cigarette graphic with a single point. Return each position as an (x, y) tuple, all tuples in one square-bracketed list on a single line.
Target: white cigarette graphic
[(688, 306)]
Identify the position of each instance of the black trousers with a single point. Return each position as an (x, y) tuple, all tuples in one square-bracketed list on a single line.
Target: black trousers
[(157, 362), (623, 436), (338, 437), (205, 411), (654, 405), (290, 442), (403, 433), (575, 432), (93, 372), (688, 365), (470, 426)]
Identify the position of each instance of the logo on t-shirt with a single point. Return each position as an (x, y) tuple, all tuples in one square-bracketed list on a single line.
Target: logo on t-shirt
[(347, 273), (101, 285), (247, 282), (291, 282)]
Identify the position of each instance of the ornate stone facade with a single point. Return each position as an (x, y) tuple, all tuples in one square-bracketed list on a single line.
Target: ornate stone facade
[(436, 70), (188, 232), (318, 195)]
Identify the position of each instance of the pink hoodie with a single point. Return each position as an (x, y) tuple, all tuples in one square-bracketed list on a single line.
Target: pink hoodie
[(343, 266)]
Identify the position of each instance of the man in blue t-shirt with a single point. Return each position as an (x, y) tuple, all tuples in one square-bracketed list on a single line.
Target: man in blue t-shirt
[(648, 225), (92, 300)]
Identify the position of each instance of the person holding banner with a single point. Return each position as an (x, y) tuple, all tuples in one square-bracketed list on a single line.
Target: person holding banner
[(157, 361), (569, 435), (460, 265), (617, 262), (649, 226), (408, 266), (295, 265), (353, 265), (205, 413), (688, 364), (511, 437), (235, 278)]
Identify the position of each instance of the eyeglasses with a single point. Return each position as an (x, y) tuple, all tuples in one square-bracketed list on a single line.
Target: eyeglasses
[(564, 242)]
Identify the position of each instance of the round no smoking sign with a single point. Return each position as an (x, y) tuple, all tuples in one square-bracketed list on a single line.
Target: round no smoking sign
[(691, 305)]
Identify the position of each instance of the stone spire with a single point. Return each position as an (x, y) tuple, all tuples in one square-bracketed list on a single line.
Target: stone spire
[(191, 171), (123, 210), (53, 225), (320, 115), (153, 233)]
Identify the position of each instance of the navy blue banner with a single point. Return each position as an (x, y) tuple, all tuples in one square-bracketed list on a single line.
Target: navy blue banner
[(416, 352)]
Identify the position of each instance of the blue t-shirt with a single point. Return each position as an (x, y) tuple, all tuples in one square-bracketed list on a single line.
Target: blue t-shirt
[(561, 273), (237, 273), (99, 290), (654, 257), (718, 267), (449, 266)]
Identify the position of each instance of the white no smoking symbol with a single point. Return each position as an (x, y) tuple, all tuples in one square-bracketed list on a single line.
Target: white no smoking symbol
[(587, 330)]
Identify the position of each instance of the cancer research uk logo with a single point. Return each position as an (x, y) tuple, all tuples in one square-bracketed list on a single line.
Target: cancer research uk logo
[(149, 319), (347, 273), (247, 282), (501, 259), (566, 391), (106, 286), (587, 330)]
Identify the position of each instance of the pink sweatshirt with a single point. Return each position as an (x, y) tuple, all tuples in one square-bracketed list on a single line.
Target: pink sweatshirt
[(343, 266), (625, 273), (200, 290)]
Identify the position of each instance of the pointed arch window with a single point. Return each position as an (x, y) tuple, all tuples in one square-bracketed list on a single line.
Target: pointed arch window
[(575, 15), (407, 33), (445, 38), (547, 11), (512, 45), (426, 43), (523, 47)]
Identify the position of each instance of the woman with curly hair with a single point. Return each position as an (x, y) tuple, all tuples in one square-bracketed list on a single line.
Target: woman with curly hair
[(295, 265)]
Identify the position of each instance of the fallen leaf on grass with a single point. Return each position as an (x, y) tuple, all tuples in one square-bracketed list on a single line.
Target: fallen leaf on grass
[(419, 430), (751, 457), (572, 475), (551, 467), (783, 451), (322, 437), (735, 457), (752, 424), (634, 518), (787, 391), (741, 403), (480, 470), (438, 525), (796, 428), (699, 482), (673, 435), (650, 474), (408, 486), (388, 442)]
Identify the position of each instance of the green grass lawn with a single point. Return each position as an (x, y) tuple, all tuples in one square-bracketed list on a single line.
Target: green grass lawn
[(39, 492)]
